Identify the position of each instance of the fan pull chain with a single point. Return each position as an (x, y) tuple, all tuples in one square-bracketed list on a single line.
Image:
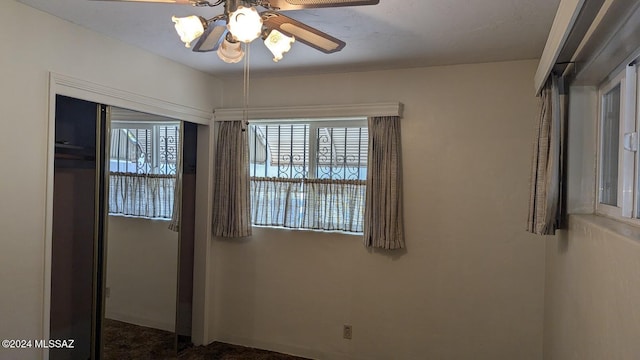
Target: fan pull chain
[(245, 90)]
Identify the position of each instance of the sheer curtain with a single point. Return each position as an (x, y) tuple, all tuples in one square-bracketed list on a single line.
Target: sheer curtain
[(545, 200), (316, 204), (383, 216), (145, 195), (231, 202)]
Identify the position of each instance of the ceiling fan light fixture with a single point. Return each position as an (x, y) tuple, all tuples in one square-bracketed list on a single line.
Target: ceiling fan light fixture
[(278, 43), (230, 52), (245, 24), (189, 28)]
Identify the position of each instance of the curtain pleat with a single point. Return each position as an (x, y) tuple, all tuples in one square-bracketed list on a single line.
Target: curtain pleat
[(231, 188), (176, 214), (383, 216), (545, 198), (144, 195)]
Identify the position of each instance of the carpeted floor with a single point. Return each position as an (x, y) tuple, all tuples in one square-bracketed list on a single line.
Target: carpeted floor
[(222, 351), (128, 341), (124, 341)]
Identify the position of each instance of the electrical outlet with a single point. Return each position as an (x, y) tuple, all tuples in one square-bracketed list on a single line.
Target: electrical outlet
[(347, 331), (107, 292)]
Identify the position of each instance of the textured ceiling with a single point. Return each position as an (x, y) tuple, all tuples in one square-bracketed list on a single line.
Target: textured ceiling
[(392, 34)]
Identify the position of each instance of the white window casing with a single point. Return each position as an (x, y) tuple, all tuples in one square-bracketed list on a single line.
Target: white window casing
[(629, 141)]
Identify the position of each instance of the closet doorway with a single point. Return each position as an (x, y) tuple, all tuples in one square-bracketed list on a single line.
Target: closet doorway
[(132, 274)]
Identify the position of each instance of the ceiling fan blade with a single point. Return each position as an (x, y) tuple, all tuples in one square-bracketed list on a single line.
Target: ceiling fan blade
[(308, 4), (212, 37), (179, 2), (303, 33)]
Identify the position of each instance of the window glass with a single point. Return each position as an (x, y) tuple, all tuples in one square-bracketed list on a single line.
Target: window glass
[(610, 147), (142, 168), (342, 153), (309, 175), (144, 148), (279, 150), (308, 151)]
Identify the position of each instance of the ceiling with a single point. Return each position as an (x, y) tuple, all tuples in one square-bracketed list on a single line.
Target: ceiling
[(392, 34)]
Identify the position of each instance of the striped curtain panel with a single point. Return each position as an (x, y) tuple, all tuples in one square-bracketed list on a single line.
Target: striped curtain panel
[(232, 200), (383, 217), (545, 199)]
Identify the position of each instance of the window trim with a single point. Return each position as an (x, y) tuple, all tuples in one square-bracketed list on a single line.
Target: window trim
[(310, 112)]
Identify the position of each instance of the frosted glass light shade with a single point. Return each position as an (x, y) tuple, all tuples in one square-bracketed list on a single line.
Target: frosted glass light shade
[(230, 52), (245, 24), (278, 43), (189, 28)]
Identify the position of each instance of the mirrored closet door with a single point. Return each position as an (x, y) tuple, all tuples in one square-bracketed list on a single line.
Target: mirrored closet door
[(150, 240), (123, 232)]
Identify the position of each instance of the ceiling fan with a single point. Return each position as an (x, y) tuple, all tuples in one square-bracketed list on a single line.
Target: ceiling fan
[(242, 23)]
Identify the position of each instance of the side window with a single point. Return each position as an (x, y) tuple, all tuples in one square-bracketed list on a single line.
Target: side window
[(610, 146), (618, 168)]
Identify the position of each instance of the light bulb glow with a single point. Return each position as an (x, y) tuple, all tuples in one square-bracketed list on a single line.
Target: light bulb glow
[(188, 28), (245, 24), (278, 43), (230, 52)]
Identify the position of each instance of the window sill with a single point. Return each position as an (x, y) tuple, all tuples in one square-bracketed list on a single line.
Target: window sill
[(617, 227), (318, 231), (139, 217)]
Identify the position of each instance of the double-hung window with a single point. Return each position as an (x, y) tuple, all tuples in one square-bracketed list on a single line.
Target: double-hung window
[(618, 161), (309, 174), (142, 168)]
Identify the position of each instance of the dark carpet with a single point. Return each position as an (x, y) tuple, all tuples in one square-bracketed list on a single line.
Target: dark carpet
[(124, 341)]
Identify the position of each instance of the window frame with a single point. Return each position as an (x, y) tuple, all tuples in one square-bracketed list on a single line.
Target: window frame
[(627, 206), (154, 126), (314, 124), (606, 209)]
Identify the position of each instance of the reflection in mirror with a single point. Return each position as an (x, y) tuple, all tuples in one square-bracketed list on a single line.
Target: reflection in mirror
[(187, 236), (141, 252)]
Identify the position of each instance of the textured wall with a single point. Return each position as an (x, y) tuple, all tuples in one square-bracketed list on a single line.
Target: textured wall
[(142, 272), (591, 308), (470, 284), (45, 44)]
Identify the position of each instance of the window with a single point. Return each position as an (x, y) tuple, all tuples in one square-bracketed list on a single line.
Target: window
[(618, 168), (142, 168), (309, 174), (610, 146)]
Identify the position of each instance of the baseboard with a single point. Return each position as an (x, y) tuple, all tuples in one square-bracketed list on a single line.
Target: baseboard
[(131, 319), (289, 349)]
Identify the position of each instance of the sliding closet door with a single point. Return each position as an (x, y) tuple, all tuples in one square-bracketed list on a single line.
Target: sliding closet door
[(187, 235), (77, 226)]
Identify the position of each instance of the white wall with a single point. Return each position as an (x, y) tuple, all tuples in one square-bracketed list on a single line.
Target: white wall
[(142, 272), (591, 308), (470, 284), (42, 44), (592, 269)]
